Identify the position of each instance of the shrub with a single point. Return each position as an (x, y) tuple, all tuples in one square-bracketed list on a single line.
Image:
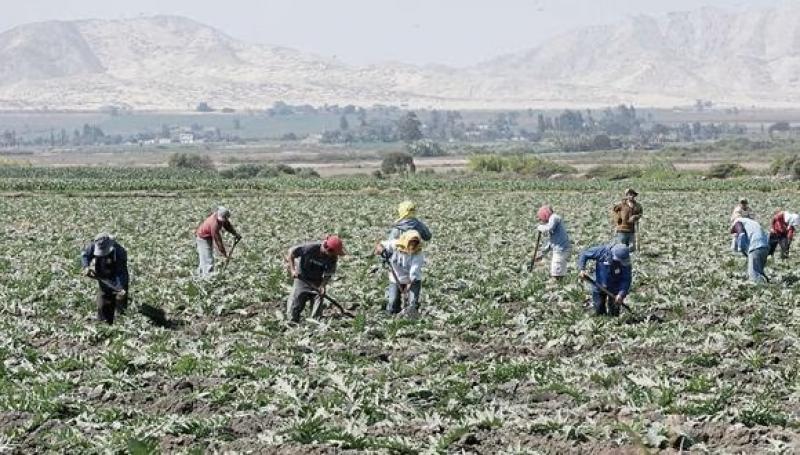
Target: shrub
[(726, 170), (306, 172), (609, 172), (190, 161), (398, 163), (248, 171), (786, 166), (518, 164)]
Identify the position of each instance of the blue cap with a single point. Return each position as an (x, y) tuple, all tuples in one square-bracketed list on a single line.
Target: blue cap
[(621, 253)]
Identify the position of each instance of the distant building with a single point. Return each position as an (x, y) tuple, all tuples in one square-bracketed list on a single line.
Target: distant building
[(164, 141), (186, 138)]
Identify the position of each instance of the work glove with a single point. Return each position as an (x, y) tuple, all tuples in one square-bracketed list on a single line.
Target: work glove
[(620, 299), (121, 293), (88, 272), (583, 274)]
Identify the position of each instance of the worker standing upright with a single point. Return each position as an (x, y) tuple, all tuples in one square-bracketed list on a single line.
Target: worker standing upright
[(626, 218)]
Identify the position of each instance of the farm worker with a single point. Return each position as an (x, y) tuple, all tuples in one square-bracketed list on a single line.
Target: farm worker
[(558, 241), (107, 261), (742, 210), (782, 231), (210, 232), (613, 272), (311, 265), (405, 259), (407, 220), (752, 242), (626, 218)]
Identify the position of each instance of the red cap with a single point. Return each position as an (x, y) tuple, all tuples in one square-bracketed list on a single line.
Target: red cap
[(334, 243)]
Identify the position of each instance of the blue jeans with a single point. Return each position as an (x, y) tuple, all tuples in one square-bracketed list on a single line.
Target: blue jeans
[(394, 297), (626, 238), (604, 304), (756, 260)]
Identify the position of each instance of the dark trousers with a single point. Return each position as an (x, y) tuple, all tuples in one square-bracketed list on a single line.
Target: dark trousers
[(108, 304), (603, 304), (779, 239), (301, 294)]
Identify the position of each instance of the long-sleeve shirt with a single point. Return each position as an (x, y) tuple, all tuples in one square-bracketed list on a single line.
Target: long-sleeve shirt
[(212, 227), (558, 239), (752, 238), (113, 267), (780, 225), (626, 216), (408, 224), (408, 267), (612, 275), (315, 266)]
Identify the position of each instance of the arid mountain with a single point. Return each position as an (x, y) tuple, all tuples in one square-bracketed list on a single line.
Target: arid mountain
[(167, 62)]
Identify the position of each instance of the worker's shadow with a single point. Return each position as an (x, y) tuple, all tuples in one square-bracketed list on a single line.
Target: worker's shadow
[(158, 317)]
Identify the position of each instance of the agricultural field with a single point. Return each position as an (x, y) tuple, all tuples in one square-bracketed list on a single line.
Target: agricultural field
[(500, 361)]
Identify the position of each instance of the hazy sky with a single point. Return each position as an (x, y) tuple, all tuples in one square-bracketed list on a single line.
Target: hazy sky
[(455, 32)]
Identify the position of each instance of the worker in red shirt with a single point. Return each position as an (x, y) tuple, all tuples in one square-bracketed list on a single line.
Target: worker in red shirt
[(782, 231), (210, 232)]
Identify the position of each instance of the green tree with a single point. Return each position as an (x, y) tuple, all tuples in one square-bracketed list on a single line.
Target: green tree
[(409, 128)]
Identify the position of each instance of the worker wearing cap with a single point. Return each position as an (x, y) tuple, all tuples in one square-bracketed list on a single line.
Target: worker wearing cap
[(781, 231), (753, 242), (626, 218), (107, 261), (312, 265), (209, 235), (558, 243), (613, 272), (407, 221)]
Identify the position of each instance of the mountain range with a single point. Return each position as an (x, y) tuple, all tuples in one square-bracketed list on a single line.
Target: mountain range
[(172, 63)]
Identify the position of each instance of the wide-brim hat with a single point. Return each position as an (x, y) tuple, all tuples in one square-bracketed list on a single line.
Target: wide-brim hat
[(103, 245)]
